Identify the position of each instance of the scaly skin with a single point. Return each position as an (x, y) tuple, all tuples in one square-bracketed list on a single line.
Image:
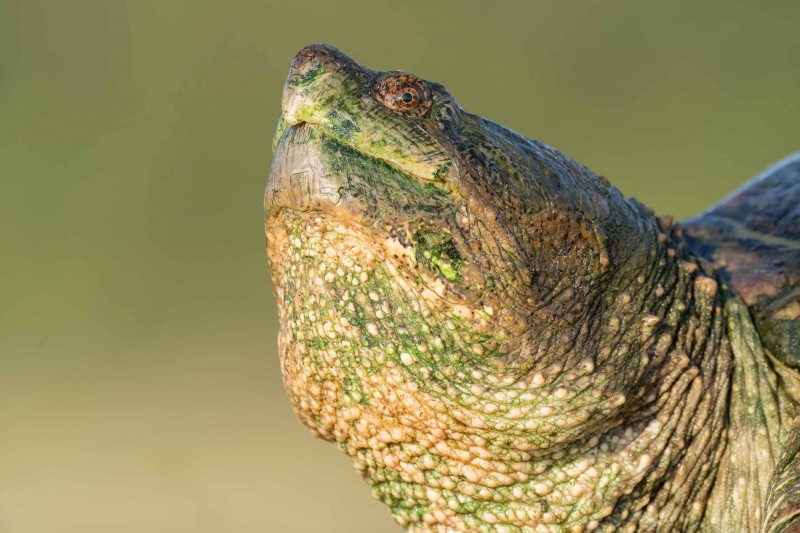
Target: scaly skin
[(497, 337)]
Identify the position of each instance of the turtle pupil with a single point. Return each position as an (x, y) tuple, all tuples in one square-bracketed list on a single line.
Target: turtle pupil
[(407, 97)]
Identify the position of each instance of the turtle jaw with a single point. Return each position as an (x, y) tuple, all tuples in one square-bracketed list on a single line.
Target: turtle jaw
[(307, 175), (300, 178), (314, 177)]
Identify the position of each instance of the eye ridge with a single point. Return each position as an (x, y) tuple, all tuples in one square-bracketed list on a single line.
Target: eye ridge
[(403, 93)]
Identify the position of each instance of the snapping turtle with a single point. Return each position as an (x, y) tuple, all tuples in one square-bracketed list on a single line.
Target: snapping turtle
[(502, 342)]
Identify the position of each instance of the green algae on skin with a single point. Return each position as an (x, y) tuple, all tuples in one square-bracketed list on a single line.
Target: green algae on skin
[(341, 125), (308, 78), (438, 253), (278, 133), (379, 183)]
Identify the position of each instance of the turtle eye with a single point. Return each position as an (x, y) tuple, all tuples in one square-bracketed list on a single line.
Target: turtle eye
[(403, 93)]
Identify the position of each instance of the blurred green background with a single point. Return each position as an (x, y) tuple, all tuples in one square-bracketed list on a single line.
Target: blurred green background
[(139, 384)]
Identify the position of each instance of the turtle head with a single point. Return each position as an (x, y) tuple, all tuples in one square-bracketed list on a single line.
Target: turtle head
[(443, 283)]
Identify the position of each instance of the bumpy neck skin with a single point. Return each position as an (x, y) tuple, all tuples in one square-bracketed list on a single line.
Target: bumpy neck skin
[(676, 378), (625, 429)]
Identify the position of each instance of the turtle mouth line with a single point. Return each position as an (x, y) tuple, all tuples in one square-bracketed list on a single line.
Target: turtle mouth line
[(286, 126)]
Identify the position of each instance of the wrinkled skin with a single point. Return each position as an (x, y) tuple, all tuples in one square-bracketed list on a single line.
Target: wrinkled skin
[(497, 337)]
